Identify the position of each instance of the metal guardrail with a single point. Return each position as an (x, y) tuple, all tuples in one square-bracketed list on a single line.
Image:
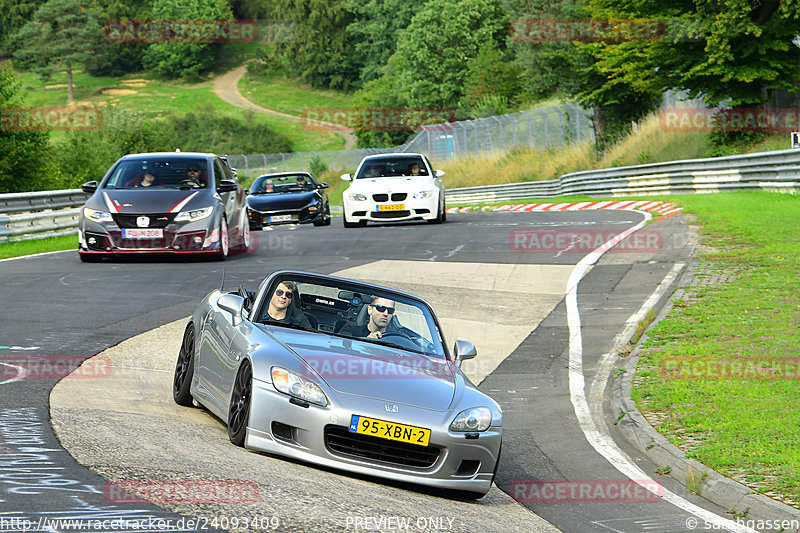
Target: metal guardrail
[(56, 212), (771, 171)]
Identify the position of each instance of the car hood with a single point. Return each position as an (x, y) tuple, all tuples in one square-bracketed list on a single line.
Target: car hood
[(139, 202), (362, 368), (280, 200)]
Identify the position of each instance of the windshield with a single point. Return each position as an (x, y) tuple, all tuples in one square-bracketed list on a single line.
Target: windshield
[(395, 166), (352, 311), (282, 183), (159, 172)]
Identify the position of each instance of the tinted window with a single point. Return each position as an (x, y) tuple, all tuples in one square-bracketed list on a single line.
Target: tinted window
[(156, 172), (396, 166)]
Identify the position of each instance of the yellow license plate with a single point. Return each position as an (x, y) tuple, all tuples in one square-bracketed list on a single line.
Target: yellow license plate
[(392, 207), (389, 430)]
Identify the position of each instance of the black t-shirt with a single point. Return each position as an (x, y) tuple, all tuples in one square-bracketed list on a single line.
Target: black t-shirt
[(351, 330), (288, 319)]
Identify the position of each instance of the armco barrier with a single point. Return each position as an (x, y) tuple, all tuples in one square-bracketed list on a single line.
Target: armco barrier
[(50, 213), (771, 171)]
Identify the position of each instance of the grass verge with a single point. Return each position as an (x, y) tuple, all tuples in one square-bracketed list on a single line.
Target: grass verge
[(50, 244), (692, 381)]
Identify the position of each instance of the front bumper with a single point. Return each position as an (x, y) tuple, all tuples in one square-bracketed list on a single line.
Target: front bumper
[(412, 209), (190, 238), (306, 433), (304, 215)]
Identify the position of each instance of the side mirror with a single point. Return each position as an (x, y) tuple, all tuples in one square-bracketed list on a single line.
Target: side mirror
[(347, 177), (233, 304), (322, 185), (439, 173), (227, 186), (89, 187), (463, 350)]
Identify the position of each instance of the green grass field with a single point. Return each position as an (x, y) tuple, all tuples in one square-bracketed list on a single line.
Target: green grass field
[(739, 425), (158, 98), (287, 96), (51, 244)]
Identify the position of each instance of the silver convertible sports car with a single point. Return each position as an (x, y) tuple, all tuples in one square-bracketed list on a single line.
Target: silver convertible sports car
[(343, 374)]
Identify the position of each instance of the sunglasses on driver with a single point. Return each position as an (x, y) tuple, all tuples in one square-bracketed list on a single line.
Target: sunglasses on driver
[(383, 309), (281, 292)]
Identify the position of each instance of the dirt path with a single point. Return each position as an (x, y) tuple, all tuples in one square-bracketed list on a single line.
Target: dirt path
[(226, 87)]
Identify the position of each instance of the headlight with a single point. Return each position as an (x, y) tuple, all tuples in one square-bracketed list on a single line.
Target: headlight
[(423, 194), (356, 197), (196, 214), (293, 385), (475, 419), (97, 216)]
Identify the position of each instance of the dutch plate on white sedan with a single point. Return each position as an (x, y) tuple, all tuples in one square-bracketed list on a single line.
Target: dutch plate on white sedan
[(167, 202), (394, 187), (296, 368)]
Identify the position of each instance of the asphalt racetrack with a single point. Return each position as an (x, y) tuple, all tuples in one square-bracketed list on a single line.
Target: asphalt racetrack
[(543, 313)]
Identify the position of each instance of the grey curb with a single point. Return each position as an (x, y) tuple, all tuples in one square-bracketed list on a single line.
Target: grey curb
[(635, 428)]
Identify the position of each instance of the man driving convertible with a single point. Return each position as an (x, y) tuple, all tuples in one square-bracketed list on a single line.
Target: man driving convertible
[(380, 313)]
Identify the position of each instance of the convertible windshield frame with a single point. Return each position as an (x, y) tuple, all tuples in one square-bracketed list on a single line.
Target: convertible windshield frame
[(305, 284)]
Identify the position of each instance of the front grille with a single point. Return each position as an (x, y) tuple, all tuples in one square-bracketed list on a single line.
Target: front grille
[(156, 221), (390, 214), (380, 197), (399, 196), (340, 441)]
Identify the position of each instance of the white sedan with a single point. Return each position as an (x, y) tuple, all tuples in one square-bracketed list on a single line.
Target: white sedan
[(394, 187)]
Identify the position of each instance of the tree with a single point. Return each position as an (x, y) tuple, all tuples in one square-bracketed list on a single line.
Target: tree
[(118, 58), (13, 16), (732, 51), (61, 36), (187, 59), (374, 31), (24, 155), (321, 54), (433, 53)]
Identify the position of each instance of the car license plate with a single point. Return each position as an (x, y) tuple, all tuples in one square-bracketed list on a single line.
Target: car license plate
[(392, 207), (280, 218), (389, 430), (148, 233)]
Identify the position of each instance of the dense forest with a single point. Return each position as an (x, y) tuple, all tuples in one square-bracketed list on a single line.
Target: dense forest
[(475, 57)]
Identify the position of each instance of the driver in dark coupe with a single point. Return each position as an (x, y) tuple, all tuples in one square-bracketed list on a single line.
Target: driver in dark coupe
[(380, 313)]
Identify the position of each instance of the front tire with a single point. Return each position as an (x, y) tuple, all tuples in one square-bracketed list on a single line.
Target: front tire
[(184, 369), (224, 240), (348, 224), (244, 236), (239, 411), (89, 258)]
